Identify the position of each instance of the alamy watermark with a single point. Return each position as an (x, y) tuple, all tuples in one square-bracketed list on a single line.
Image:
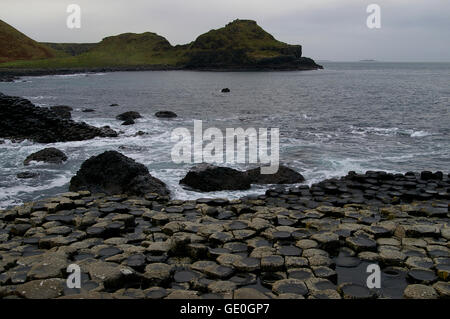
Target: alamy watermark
[(374, 279), (214, 146), (74, 19), (74, 279), (374, 19)]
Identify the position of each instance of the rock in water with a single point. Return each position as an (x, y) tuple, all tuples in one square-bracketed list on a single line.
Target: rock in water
[(209, 178), (129, 122), (128, 116), (226, 90), (27, 175), (165, 114), (21, 119), (63, 111), (285, 175), (114, 173), (47, 155)]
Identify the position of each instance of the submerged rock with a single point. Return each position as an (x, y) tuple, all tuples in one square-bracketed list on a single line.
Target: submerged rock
[(166, 114), (114, 173), (285, 175), (21, 119), (127, 116), (128, 122), (47, 155), (27, 175), (226, 90), (209, 178)]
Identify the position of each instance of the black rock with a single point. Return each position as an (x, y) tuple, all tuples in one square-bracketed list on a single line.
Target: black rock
[(209, 178), (27, 175), (21, 119), (285, 175), (48, 155), (113, 173), (114, 104), (129, 122), (131, 115), (88, 111), (226, 90), (166, 114), (62, 111)]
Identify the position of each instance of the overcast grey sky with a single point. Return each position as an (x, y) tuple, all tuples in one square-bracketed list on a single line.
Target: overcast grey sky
[(411, 30)]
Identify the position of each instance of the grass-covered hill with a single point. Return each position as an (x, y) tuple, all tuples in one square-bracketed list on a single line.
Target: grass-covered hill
[(15, 45), (71, 49), (240, 44)]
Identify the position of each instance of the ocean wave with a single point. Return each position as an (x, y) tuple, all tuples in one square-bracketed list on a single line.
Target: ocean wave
[(10, 196), (391, 131)]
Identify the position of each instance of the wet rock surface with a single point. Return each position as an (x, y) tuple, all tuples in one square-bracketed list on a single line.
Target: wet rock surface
[(209, 178), (304, 242), (114, 173), (21, 119), (48, 155), (166, 114)]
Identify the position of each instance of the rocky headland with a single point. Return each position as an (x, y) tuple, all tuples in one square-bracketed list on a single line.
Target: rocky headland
[(241, 45), (293, 242)]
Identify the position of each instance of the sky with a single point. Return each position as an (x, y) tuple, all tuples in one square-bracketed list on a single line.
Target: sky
[(336, 30)]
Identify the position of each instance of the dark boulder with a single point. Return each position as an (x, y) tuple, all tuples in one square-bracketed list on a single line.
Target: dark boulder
[(88, 111), (128, 122), (62, 111), (27, 175), (165, 114), (20, 119), (209, 178), (285, 175), (226, 90), (47, 155), (128, 116), (114, 104), (114, 173)]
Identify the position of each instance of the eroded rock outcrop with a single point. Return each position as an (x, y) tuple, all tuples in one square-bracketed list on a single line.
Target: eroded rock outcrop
[(209, 178), (114, 173), (48, 155), (21, 119)]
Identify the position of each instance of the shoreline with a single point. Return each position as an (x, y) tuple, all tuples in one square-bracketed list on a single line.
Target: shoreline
[(302, 242), (13, 73)]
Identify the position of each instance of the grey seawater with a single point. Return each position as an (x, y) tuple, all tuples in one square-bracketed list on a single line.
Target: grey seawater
[(350, 116)]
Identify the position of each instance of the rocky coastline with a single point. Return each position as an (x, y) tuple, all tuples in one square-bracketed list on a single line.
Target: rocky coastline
[(15, 74), (291, 243), (20, 119)]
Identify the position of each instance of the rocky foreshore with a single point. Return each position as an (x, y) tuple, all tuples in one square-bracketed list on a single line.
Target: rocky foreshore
[(301, 242), (20, 119)]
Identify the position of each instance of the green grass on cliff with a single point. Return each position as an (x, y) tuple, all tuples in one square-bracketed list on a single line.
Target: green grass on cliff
[(14, 45), (127, 49), (241, 35), (71, 49), (239, 42)]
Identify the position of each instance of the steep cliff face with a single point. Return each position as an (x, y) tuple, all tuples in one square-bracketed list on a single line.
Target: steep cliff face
[(241, 43), (14, 45)]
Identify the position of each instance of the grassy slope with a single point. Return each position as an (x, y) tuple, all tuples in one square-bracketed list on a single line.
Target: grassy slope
[(127, 49), (71, 49), (14, 45), (241, 35), (239, 42)]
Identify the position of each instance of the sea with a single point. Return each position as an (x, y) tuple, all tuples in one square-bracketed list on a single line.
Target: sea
[(351, 116)]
